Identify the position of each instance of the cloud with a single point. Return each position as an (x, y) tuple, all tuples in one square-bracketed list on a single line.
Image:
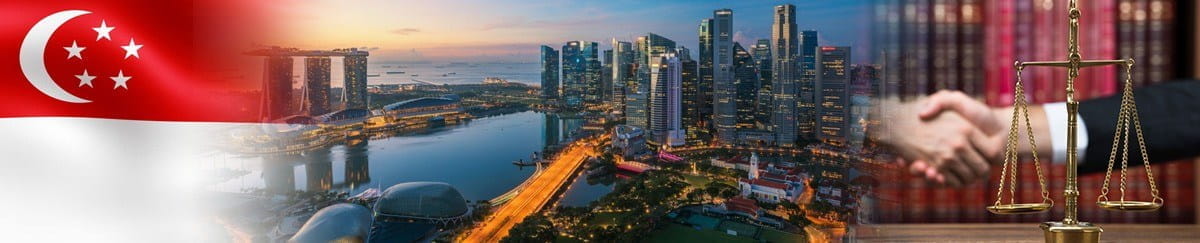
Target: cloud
[(405, 31), (590, 20)]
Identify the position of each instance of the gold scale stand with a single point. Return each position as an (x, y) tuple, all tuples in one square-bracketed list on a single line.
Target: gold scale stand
[(1070, 229)]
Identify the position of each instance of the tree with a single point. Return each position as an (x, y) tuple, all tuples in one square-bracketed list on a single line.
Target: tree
[(535, 228)]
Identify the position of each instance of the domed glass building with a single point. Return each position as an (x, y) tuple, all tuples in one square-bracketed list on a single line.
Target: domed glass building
[(343, 222), (412, 211), (422, 200)]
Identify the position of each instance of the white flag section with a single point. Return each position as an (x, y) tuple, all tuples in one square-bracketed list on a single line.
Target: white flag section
[(104, 180)]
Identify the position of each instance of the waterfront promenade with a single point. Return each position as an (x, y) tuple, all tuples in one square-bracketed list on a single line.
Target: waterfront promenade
[(539, 192)]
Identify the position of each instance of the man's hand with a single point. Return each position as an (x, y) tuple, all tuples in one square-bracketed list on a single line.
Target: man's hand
[(944, 148), (983, 117)]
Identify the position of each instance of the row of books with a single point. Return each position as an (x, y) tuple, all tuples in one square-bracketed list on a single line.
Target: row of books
[(916, 201), (970, 45)]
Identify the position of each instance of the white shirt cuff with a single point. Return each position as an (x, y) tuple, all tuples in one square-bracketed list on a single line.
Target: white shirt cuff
[(1056, 116)]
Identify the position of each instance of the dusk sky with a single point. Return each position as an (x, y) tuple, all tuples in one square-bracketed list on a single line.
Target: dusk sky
[(512, 30)]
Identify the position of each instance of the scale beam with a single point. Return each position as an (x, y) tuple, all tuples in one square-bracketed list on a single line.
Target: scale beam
[(1082, 64)]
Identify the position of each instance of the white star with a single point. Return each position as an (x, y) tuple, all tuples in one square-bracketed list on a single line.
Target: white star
[(85, 79), (74, 51), (131, 49), (102, 31), (120, 80)]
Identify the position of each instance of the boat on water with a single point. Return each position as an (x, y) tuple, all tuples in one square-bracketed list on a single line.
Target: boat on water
[(395, 72), (372, 75)]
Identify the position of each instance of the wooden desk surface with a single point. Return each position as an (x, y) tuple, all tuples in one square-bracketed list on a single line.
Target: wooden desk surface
[(1026, 232)]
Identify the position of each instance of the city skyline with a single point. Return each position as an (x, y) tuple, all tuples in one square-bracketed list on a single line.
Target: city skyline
[(436, 32)]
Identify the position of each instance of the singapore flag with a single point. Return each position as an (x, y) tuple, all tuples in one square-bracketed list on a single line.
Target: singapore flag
[(107, 112)]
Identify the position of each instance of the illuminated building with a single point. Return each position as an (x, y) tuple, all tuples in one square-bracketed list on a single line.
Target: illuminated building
[(665, 101), (783, 82), (623, 76), (316, 85), (807, 85), (692, 99), (549, 72), (745, 77), (277, 87), (606, 77), (705, 77), (833, 99), (580, 73), (629, 140), (762, 106), (724, 91), (355, 83)]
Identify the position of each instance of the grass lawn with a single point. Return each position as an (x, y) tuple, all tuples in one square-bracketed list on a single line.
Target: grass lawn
[(773, 235), (679, 233), (697, 181), (741, 228), (605, 219)]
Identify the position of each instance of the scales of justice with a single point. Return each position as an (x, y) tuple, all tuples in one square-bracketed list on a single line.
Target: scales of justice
[(1070, 228)]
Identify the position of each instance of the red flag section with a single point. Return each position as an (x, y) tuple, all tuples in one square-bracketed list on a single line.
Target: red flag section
[(137, 60)]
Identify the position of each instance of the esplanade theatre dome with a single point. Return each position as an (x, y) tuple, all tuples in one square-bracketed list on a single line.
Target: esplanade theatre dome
[(343, 222), (422, 200)]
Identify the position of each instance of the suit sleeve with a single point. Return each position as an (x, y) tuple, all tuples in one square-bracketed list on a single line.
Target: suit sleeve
[(1170, 118)]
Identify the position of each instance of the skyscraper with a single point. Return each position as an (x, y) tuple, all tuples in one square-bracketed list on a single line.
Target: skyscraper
[(593, 86), (622, 73), (665, 100), (572, 74), (745, 79), (580, 73), (606, 77), (705, 71), (648, 47), (783, 81), (355, 82), (636, 104), (833, 97), (316, 85), (724, 106), (691, 94), (807, 84), (549, 72), (277, 87), (762, 106)]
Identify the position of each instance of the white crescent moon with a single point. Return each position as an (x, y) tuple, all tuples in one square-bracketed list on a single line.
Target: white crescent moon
[(33, 50)]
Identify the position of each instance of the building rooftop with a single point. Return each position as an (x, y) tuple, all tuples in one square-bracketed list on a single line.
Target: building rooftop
[(336, 223), (420, 102), (744, 205), (424, 200), (766, 183)]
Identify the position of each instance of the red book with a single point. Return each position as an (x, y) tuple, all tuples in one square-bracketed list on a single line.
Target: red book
[(917, 201)]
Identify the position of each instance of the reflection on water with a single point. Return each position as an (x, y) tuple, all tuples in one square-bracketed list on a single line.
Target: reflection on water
[(475, 157)]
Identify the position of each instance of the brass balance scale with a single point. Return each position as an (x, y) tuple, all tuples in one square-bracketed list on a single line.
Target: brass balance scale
[(1070, 229)]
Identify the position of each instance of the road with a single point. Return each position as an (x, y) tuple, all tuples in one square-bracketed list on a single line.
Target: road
[(539, 192)]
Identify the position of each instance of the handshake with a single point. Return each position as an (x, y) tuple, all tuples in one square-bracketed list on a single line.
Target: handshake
[(952, 139)]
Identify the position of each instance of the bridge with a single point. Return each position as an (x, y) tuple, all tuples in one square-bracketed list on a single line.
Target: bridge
[(772, 150), (534, 194), (504, 198)]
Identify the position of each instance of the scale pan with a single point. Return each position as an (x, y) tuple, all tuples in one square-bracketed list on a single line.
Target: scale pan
[(1020, 208), (1129, 206)]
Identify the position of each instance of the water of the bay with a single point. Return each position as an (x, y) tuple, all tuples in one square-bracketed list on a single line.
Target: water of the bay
[(476, 158)]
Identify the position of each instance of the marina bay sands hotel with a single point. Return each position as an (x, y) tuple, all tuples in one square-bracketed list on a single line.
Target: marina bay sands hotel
[(315, 99)]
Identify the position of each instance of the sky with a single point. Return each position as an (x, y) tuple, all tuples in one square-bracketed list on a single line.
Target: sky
[(512, 30)]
